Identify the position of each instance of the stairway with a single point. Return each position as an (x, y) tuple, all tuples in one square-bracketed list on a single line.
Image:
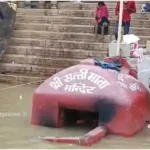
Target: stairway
[(46, 41)]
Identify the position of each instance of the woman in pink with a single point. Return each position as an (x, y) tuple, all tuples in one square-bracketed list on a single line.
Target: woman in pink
[(101, 17)]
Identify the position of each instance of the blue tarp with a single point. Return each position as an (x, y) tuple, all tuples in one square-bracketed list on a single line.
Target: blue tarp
[(114, 66)]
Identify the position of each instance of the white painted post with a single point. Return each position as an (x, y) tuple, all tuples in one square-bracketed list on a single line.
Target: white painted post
[(120, 27)]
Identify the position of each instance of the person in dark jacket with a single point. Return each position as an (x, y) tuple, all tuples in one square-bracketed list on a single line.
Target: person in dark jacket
[(101, 17), (146, 7), (129, 7)]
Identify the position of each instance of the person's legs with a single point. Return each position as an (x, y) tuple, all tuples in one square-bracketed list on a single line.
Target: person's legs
[(105, 24), (106, 30), (126, 27), (99, 28), (103, 27)]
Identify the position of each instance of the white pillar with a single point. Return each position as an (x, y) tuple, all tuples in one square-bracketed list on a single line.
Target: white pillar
[(119, 28)]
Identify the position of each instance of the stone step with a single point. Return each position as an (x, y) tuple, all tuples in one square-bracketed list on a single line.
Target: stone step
[(68, 36), (61, 44), (73, 13), (52, 52), (90, 6), (32, 70), (21, 79), (107, 2), (40, 61), (74, 20), (73, 28), (55, 28)]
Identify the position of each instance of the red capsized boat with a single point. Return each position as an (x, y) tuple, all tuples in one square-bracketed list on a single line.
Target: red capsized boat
[(116, 100)]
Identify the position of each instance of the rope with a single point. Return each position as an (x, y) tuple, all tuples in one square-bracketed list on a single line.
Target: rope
[(16, 86)]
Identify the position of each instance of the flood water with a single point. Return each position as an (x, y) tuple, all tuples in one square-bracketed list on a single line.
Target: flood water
[(17, 132)]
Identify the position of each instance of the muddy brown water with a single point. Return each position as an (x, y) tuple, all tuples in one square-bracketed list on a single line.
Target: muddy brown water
[(17, 132)]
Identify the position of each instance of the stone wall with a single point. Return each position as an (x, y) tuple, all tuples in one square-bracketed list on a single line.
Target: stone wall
[(7, 22)]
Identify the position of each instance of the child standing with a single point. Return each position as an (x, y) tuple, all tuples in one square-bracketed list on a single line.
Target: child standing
[(101, 17)]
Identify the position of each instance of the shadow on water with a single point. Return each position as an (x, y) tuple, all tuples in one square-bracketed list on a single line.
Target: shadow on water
[(17, 132)]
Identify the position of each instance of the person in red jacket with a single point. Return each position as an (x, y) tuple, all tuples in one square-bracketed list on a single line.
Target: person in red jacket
[(129, 7), (101, 17)]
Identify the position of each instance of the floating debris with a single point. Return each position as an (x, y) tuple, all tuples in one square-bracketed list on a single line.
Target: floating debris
[(20, 97)]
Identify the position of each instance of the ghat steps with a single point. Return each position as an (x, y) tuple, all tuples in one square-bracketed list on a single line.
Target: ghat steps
[(74, 20), (46, 41)]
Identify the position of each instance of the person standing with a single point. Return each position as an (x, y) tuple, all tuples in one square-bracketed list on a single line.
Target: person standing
[(129, 7)]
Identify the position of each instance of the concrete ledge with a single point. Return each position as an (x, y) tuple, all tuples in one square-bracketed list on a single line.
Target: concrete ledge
[(88, 6), (68, 36), (58, 44), (27, 69), (74, 20), (55, 53), (18, 78), (72, 36), (73, 13), (72, 28), (67, 5), (40, 61)]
